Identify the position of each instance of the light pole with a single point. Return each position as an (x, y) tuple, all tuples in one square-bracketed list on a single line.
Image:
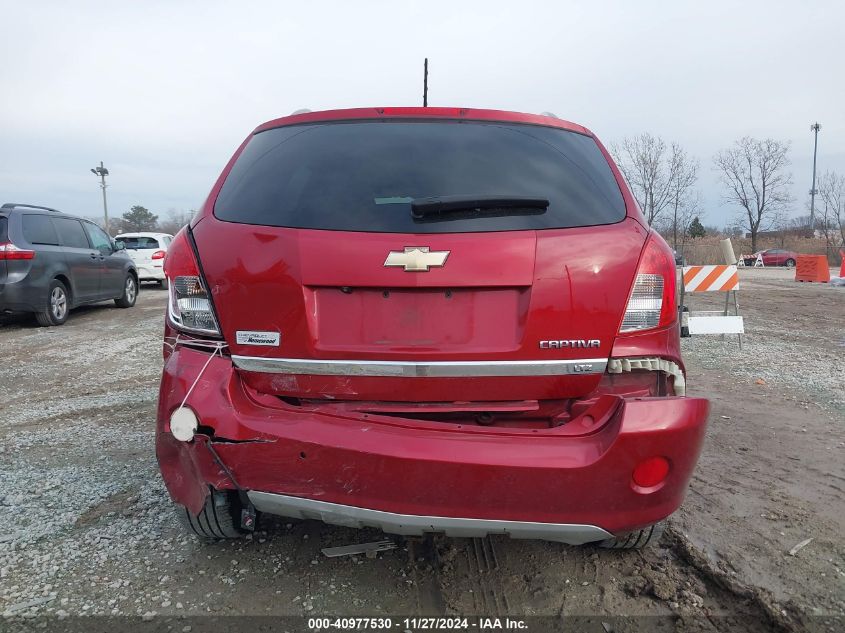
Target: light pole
[(102, 172), (814, 128), (425, 83)]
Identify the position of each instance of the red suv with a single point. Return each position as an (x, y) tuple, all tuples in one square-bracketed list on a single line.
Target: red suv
[(425, 320)]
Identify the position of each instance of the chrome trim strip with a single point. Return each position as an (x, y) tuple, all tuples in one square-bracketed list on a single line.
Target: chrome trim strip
[(412, 524), (411, 369)]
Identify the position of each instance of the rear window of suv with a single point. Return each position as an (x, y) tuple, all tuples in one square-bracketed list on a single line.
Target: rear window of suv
[(362, 176), (138, 243)]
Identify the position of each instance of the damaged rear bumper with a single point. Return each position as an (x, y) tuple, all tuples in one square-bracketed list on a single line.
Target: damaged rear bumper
[(572, 483)]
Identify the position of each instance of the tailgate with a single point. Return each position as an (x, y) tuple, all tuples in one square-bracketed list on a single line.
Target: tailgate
[(509, 315), (330, 281)]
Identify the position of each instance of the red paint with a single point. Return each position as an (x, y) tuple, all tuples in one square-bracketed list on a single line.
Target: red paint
[(773, 257), (561, 448), (658, 259), (473, 114), (179, 259), (650, 472), (562, 283), (575, 473)]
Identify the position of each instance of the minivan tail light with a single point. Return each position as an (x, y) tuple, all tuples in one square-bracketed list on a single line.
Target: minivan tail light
[(189, 307), (9, 251), (652, 300), (157, 255)]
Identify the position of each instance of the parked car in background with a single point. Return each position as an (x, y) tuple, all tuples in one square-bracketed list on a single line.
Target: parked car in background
[(51, 262), (435, 320), (774, 257), (147, 251)]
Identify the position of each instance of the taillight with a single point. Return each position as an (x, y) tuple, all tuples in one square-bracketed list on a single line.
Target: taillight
[(9, 251), (189, 308), (157, 255), (652, 300)]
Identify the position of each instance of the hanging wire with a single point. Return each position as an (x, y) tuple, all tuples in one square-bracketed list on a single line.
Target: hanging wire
[(217, 346)]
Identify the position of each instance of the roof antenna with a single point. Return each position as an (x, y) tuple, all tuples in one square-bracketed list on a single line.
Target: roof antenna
[(425, 83)]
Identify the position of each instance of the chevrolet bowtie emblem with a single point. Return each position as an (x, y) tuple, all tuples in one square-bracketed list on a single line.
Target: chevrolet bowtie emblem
[(416, 259)]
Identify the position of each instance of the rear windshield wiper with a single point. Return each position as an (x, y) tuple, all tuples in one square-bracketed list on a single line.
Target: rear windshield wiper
[(437, 206)]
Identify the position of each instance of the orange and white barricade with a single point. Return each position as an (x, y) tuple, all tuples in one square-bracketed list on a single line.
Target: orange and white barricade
[(716, 278)]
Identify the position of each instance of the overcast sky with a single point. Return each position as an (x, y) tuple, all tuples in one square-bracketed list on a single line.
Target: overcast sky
[(163, 92)]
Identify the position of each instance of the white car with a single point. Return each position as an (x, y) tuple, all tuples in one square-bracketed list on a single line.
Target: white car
[(147, 250)]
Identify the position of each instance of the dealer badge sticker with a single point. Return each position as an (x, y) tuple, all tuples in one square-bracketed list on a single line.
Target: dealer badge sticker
[(250, 337)]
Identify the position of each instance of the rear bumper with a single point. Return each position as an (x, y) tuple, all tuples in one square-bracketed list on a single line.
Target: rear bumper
[(147, 271), (22, 296), (572, 483)]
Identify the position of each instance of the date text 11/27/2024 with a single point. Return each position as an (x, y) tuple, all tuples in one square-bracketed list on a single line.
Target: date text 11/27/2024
[(418, 624)]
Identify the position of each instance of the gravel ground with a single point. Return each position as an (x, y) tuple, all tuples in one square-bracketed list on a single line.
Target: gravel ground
[(795, 337), (91, 530)]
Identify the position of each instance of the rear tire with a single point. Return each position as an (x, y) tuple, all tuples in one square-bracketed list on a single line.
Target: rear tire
[(58, 305), (163, 283), (789, 263), (217, 519), (635, 540), (130, 293)]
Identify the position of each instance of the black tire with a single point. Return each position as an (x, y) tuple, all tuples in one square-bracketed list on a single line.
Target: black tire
[(218, 519), (789, 263), (58, 305), (130, 292), (163, 283), (635, 540)]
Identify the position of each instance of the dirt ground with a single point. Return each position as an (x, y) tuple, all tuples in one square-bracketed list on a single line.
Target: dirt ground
[(89, 530)]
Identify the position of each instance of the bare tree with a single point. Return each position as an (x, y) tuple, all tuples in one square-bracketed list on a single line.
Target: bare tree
[(754, 174), (674, 228), (685, 201), (832, 193), (176, 219), (651, 169), (690, 210)]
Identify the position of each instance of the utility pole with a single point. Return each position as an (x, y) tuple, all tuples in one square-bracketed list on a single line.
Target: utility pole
[(425, 83), (102, 172), (814, 128)]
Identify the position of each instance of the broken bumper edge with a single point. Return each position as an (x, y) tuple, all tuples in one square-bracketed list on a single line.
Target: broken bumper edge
[(567, 484)]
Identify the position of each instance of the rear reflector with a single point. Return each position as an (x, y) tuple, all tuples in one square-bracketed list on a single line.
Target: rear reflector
[(9, 251), (652, 300), (650, 472), (189, 308)]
